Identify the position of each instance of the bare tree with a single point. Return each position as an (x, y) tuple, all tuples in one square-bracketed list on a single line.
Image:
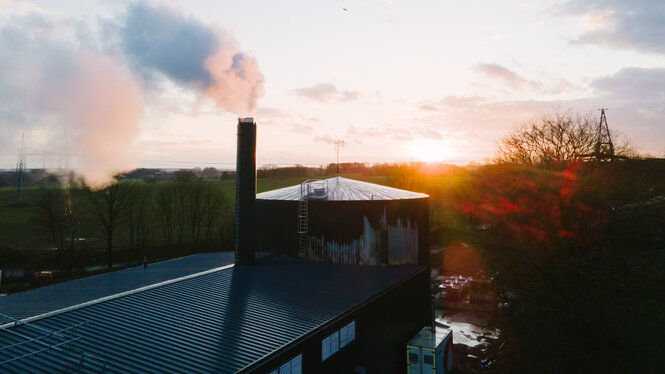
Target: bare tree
[(172, 205), (180, 209), (54, 213), (553, 139), (196, 208), (107, 205), (204, 204), (164, 207), (216, 204), (135, 214)]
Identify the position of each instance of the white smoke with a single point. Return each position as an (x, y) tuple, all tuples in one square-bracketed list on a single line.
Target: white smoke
[(55, 76)]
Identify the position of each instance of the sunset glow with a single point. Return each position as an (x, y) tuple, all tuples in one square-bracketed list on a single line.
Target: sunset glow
[(431, 151), (396, 80)]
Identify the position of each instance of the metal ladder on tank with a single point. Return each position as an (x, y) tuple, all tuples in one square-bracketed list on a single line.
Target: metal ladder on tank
[(303, 213), (309, 189)]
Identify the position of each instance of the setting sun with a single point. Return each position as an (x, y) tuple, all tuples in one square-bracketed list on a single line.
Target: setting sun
[(430, 151)]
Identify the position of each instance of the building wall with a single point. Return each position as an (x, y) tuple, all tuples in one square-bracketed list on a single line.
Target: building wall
[(383, 327), (367, 232), (277, 226)]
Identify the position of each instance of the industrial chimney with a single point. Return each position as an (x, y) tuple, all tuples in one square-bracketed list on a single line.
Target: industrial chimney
[(245, 191)]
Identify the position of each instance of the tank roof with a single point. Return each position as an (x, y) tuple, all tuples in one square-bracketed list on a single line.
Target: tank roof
[(344, 189)]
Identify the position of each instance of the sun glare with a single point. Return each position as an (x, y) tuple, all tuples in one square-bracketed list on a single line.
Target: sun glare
[(429, 151)]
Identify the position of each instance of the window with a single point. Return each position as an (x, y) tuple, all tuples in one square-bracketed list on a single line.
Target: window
[(325, 348), (428, 359), (413, 358), (296, 365), (347, 334), (343, 337), (337, 340), (329, 345), (292, 367)]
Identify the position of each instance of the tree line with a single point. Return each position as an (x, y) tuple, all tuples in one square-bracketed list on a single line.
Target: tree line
[(184, 216)]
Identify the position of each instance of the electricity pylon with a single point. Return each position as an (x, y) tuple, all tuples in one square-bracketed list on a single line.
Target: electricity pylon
[(604, 149), (20, 172)]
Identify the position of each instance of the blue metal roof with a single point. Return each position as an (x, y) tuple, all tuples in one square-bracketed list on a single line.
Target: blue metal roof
[(223, 321), (62, 295)]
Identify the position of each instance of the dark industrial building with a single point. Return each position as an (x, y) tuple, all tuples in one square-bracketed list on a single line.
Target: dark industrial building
[(288, 311)]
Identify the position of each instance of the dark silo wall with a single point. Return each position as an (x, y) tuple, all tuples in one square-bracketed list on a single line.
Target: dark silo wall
[(277, 226), (368, 232)]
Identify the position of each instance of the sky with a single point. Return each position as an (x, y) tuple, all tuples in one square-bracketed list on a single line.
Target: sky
[(107, 85)]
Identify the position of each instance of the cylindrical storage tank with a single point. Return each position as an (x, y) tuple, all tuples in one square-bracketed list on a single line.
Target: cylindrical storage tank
[(344, 221)]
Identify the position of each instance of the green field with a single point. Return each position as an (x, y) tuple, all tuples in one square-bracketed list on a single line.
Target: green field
[(23, 243)]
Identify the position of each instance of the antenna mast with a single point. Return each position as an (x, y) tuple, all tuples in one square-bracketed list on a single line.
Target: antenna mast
[(339, 144)]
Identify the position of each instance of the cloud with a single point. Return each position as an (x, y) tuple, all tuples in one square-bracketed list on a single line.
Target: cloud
[(156, 39), (160, 41), (10, 7), (325, 92), (451, 102), (496, 71), (430, 134), (635, 98), (633, 84), (324, 139), (635, 25), (428, 106), (301, 129), (399, 133), (271, 112)]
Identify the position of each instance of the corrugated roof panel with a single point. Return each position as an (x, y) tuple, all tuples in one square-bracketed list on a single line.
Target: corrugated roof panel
[(62, 295), (222, 321), (344, 189)]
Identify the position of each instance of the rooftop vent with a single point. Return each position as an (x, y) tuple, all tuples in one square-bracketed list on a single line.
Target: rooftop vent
[(314, 189)]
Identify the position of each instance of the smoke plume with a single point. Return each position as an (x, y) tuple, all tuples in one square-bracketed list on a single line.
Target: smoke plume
[(51, 84), (59, 74), (161, 42), (102, 101)]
